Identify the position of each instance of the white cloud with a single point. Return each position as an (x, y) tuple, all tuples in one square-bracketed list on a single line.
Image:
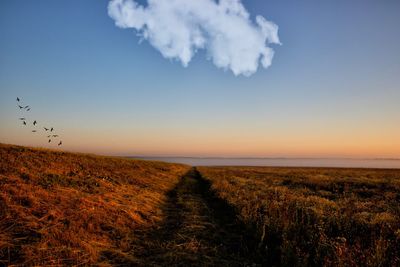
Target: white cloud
[(178, 28)]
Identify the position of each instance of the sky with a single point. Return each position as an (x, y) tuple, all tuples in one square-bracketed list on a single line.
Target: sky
[(329, 87)]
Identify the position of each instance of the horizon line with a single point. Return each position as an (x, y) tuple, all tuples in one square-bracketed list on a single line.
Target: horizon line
[(287, 158)]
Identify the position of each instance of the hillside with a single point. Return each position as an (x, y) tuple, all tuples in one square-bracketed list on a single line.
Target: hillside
[(66, 208)]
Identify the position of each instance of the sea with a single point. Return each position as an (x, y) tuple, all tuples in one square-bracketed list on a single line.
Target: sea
[(284, 162)]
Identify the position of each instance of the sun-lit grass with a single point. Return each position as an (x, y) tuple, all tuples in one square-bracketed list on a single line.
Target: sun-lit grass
[(60, 208), (316, 216), (65, 208)]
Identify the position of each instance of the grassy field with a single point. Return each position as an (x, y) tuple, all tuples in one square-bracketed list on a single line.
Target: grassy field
[(315, 216), (59, 208), (70, 209), (75, 209)]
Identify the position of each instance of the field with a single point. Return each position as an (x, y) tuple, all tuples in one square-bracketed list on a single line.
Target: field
[(61, 208), (315, 216)]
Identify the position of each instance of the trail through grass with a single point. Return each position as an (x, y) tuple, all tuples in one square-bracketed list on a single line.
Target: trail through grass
[(199, 229)]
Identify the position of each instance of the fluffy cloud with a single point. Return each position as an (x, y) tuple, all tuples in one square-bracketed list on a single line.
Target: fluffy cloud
[(178, 28)]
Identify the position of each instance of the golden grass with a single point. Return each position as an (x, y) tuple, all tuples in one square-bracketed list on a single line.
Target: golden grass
[(316, 216), (60, 208)]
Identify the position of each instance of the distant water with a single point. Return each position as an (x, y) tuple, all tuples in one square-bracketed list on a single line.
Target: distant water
[(283, 162)]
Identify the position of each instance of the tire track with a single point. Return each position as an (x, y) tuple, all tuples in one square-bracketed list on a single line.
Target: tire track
[(198, 230)]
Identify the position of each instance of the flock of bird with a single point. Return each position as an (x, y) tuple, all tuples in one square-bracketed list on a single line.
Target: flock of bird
[(49, 130)]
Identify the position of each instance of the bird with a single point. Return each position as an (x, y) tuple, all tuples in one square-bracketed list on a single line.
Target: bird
[(24, 121)]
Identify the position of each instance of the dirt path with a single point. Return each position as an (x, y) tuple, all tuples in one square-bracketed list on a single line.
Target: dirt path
[(199, 230)]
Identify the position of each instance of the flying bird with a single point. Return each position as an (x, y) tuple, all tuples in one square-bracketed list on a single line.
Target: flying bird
[(27, 108)]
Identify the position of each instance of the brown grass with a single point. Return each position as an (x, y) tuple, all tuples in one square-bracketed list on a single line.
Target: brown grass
[(198, 230), (316, 216), (60, 208)]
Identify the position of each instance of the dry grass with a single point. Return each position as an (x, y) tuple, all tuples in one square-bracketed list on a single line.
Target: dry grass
[(199, 230), (316, 216), (61, 208)]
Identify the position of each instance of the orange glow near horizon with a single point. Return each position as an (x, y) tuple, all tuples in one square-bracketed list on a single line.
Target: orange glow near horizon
[(218, 144)]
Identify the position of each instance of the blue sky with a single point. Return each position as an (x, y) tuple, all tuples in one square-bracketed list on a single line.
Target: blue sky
[(332, 88)]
